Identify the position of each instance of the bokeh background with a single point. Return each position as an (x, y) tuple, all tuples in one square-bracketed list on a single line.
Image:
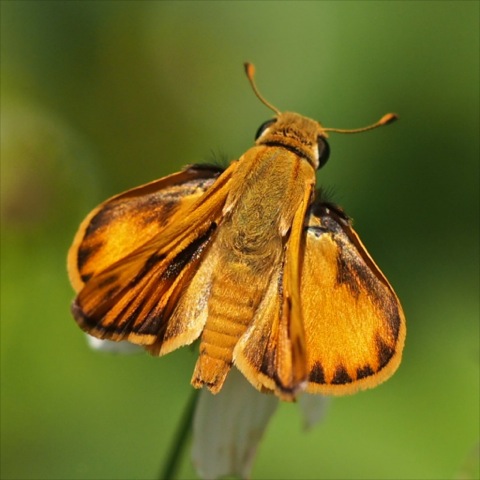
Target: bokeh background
[(98, 97)]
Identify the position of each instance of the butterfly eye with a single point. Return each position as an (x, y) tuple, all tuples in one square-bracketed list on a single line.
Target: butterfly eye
[(264, 126), (323, 151)]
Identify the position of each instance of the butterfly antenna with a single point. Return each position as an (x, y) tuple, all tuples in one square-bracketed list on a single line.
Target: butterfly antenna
[(385, 120), (250, 71)]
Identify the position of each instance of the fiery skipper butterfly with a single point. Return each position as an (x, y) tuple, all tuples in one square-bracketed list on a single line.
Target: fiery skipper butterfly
[(251, 261)]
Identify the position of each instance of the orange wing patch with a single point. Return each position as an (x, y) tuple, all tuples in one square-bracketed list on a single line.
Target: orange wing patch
[(354, 324), (121, 224)]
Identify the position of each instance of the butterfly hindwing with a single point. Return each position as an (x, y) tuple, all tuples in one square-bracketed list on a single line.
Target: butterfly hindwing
[(354, 324)]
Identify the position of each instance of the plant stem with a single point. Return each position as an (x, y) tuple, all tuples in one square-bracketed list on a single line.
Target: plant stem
[(177, 448)]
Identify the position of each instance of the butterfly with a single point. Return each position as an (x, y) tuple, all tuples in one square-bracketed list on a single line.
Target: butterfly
[(249, 260)]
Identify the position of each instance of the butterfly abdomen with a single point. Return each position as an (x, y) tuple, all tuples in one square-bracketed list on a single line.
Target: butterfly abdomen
[(234, 298)]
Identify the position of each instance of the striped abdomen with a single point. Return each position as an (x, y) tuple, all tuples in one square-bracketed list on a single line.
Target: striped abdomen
[(234, 298)]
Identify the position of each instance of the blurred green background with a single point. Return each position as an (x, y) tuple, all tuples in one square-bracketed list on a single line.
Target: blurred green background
[(99, 97)]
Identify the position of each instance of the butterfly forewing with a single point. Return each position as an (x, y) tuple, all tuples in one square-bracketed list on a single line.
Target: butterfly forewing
[(271, 353), (127, 221), (138, 251)]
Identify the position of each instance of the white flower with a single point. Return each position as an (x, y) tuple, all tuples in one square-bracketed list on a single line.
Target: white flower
[(113, 347), (228, 426)]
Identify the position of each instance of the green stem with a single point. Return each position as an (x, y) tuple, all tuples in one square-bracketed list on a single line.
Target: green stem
[(180, 440)]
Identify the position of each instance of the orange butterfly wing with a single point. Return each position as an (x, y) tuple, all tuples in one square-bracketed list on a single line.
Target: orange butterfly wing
[(354, 324), (134, 254), (272, 354)]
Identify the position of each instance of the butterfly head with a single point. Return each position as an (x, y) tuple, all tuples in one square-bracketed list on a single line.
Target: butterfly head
[(292, 131), (302, 135)]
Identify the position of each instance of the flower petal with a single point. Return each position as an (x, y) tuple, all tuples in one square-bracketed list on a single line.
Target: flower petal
[(112, 347), (227, 428), (313, 408)]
